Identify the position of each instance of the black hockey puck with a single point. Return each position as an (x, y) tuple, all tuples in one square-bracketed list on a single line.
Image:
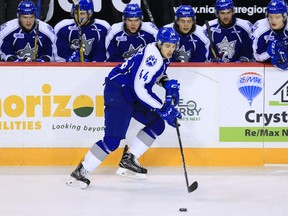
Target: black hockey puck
[(126, 1), (183, 209)]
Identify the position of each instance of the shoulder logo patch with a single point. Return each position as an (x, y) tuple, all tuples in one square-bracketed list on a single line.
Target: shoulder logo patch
[(151, 61)]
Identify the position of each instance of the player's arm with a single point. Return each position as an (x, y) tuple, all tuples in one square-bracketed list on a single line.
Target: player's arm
[(6, 48), (98, 52), (63, 36), (45, 51), (278, 50), (7, 52), (172, 88), (259, 44), (112, 49), (201, 53), (143, 83), (246, 50)]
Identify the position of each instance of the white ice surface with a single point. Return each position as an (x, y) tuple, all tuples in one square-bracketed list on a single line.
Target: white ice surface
[(223, 191)]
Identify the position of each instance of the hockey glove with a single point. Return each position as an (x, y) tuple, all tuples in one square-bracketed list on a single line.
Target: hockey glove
[(216, 60), (19, 60), (243, 59), (169, 114), (75, 57), (280, 60), (25, 59), (28, 60), (276, 46), (172, 88)]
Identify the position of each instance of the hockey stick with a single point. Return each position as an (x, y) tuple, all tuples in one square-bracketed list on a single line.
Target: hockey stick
[(211, 41), (194, 185), (76, 3), (39, 9), (281, 57), (148, 11), (36, 40)]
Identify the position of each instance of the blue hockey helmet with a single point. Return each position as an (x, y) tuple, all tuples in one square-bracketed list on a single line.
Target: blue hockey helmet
[(167, 35), (184, 11), (26, 7), (84, 5), (132, 11), (277, 7), (223, 5)]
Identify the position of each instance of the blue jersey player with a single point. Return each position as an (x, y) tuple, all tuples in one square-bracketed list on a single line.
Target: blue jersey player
[(270, 35), (127, 37), (128, 94), (193, 44), (230, 35), (92, 34), (19, 40)]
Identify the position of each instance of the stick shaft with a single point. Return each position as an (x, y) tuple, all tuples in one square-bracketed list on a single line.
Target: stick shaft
[(36, 40), (38, 9), (76, 3), (213, 50), (148, 11), (182, 154)]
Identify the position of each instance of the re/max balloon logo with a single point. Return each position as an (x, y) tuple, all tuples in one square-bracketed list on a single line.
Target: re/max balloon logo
[(250, 84), (48, 105)]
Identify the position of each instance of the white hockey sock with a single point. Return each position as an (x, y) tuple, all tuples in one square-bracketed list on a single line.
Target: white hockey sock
[(91, 162), (141, 144)]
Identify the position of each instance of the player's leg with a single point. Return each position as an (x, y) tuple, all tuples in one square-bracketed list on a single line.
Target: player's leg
[(118, 113), (130, 167), (154, 126)]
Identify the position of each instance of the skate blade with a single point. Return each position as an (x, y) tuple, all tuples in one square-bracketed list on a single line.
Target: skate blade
[(76, 184), (127, 173)]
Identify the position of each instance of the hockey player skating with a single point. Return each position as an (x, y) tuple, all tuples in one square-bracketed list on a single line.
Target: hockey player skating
[(230, 35), (269, 35), (17, 37), (92, 33), (193, 44), (128, 94), (127, 37)]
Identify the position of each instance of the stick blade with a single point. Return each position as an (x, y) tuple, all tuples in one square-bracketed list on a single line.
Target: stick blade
[(193, 187)]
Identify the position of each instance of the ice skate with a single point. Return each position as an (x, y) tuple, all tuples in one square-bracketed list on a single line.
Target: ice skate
[(78, 177), (130, 167)]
